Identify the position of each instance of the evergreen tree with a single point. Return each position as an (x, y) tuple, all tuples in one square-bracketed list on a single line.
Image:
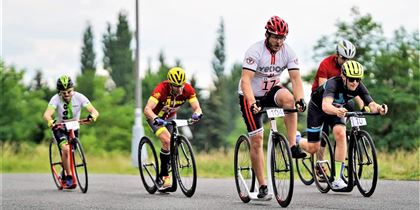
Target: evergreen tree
[(217, 123), (108, 40), (118, 56), (88, 65), (88, 53), (218, 62)]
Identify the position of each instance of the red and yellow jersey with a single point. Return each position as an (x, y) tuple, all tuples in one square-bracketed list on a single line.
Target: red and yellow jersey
[(167, 104)]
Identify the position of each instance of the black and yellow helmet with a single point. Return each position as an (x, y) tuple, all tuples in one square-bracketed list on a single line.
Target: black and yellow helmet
[(64, 83), (176, 76), (352, 69)]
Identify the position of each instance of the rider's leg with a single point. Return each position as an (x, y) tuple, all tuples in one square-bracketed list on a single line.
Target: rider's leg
[(285, 99), (65, 157), (257, 156), (339, 132), (321, 151), (314, 125), (165, 139)]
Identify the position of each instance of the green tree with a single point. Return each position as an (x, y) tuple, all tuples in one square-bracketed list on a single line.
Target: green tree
[(88, 65), (22, 118), (391, 75), (394, 79), (118, 56), (218, 114), (88, 54), (218, 61)]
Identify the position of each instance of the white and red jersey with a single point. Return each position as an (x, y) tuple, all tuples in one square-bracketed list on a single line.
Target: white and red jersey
[(267, 66)]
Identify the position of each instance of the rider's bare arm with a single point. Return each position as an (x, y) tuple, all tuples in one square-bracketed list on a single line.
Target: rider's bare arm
[(48, 116), (148, 109), (93, 112), (376, 108), (329, 108), (195, 105), (296, 84), (246, 78)]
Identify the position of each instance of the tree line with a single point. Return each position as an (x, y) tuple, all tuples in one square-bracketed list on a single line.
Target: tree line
[(392, 77)]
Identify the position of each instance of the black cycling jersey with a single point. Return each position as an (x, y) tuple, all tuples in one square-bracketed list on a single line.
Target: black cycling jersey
[(334, 87)]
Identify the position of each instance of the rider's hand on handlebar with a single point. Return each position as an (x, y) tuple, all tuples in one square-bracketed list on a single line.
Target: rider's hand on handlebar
[(341, 112), (51, 123), (91, 118), (301, 105), (255, 107), (382, 109), (196, 117), (158, 121)]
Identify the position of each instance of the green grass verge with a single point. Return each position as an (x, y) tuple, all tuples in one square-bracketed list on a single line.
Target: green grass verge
[(398, 165)]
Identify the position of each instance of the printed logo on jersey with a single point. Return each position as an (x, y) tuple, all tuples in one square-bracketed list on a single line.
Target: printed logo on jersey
[(266, 69), (296, 61), (156, 95), (250, 61)]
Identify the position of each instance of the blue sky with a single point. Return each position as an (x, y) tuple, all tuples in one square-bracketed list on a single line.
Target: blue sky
[(47, 34)]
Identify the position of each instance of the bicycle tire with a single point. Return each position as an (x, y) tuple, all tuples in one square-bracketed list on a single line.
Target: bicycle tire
[(244, 174), (366, 164), (56, 165), (282, 170), (80, 166), (350, 175), (327, 164), (148, 164), (184, 166), (304, 170)]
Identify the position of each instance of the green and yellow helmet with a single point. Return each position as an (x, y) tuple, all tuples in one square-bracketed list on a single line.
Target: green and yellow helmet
[(176, 76), (64, 83), (352, 69)]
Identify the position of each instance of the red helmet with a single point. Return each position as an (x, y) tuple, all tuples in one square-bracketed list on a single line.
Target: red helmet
[(277, 26)]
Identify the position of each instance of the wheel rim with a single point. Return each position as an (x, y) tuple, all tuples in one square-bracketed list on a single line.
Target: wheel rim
[(148, 165), (185, 166)]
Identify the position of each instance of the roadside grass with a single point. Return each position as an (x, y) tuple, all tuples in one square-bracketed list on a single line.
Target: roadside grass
[(32, 158)]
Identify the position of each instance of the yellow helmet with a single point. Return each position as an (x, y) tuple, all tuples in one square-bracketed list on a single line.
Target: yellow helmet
[(176, 76), (352, 69)]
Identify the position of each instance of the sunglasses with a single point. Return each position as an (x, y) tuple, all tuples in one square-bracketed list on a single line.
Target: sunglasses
[(66, 92), (177, 86), (344, 58), (353, 79), (277, 37)]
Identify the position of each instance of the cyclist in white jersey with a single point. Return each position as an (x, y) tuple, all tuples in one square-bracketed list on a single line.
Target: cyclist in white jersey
[(260, 87), (67, 104)]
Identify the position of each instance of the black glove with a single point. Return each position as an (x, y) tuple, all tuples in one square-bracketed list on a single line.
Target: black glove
[(302, 104), (158, 121), (255, 107), (90, 118)]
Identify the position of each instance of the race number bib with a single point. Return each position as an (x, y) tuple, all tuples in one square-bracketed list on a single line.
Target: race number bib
[(358, 121), (268, 83), (72, 125), (273, 113)]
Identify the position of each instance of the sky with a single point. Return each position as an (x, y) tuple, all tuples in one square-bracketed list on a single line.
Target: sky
[(47, 34)]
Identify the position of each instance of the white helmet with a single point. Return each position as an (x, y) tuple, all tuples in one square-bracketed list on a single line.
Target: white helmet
[(346, 49)]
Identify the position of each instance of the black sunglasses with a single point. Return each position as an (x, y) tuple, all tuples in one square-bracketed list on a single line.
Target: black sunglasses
[(344, 58), (354, 79)]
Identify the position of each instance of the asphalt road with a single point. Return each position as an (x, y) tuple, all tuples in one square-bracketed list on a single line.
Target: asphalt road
[(37, 191)]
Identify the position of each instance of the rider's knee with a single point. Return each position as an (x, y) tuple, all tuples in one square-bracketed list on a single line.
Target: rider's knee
[(339, 132), (312, 148), (256, 140)]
